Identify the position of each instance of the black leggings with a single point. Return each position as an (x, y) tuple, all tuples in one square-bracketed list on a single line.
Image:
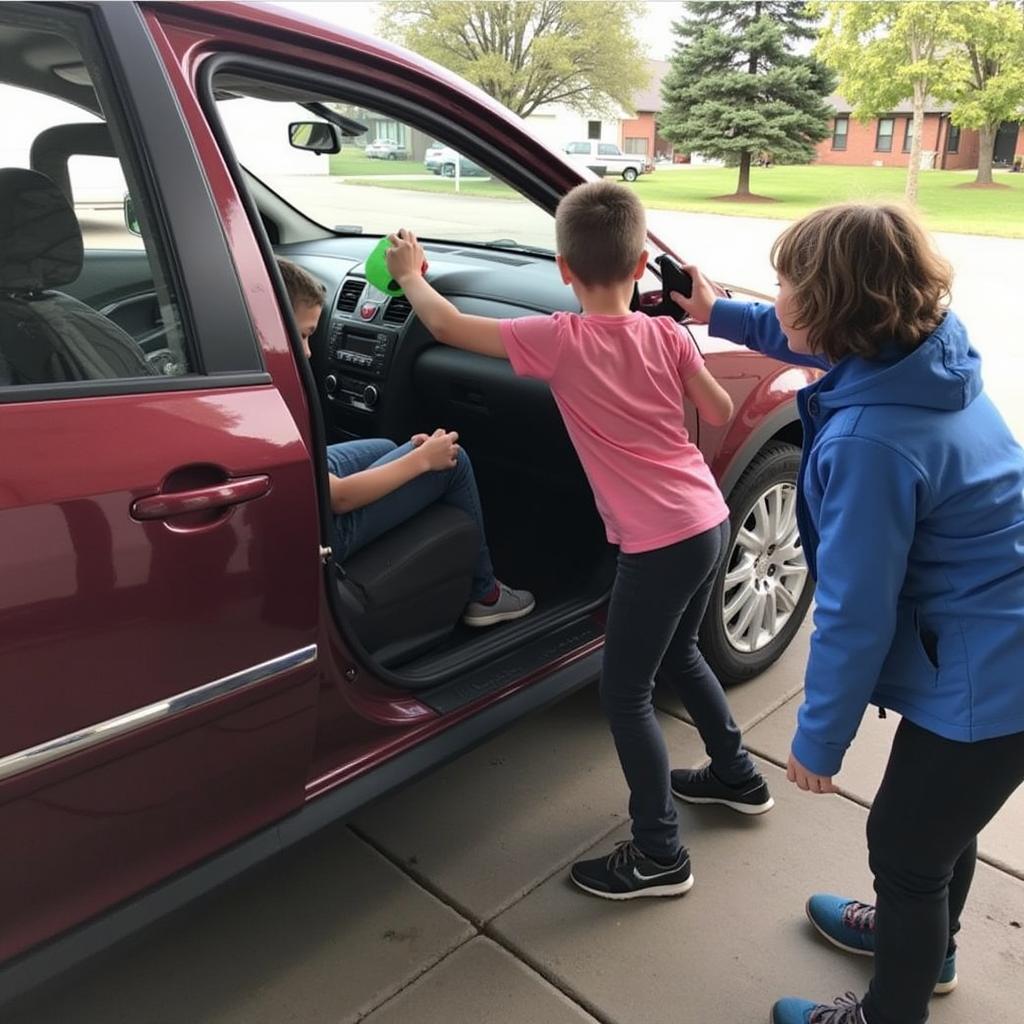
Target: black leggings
[(657, 604), (937, 795)]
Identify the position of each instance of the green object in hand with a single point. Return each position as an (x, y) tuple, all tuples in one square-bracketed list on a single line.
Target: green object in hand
[(377, 272)]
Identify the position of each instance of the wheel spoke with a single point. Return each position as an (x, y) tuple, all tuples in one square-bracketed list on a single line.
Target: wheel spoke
[(744, 595), (771, 613)]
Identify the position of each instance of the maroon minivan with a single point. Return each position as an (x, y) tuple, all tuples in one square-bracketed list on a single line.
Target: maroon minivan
[(189, 680)]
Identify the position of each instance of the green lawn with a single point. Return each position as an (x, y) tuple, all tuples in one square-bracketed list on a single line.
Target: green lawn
[(796, 191), (351, 161), (800, 189)]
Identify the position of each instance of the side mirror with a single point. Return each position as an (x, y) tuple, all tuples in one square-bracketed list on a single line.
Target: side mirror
[(314, 136), (131, 221)]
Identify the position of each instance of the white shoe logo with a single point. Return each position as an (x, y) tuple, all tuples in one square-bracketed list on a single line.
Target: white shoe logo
[(650, 878)]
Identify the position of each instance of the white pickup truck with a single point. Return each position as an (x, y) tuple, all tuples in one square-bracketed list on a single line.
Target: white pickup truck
[(606, 158)]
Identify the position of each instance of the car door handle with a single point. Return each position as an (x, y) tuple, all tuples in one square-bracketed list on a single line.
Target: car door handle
[(200, 499)]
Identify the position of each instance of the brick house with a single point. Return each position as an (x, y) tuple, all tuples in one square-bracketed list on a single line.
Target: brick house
[(885, 141), (639, 134)]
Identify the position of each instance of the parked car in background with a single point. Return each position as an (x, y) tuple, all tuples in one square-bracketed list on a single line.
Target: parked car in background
[(190, 679), (467, 169), (606, 158), (433, 156), (385, 149)]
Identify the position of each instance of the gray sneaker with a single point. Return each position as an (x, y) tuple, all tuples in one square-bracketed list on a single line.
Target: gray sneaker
[(511, 604)]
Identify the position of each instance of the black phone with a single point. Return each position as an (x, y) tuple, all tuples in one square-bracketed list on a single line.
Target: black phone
[(673, 278)]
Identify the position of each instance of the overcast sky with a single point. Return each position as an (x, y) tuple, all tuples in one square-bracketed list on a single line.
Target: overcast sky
[(655, 31)]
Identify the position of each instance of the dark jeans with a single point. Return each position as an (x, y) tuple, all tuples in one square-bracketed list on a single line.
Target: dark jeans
[(937, 795), (455, 486), (657, 604)]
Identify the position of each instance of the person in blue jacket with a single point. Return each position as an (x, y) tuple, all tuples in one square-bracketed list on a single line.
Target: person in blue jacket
[(911, 512)]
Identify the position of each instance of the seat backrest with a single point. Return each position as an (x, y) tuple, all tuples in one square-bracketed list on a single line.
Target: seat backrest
[(45, 335)]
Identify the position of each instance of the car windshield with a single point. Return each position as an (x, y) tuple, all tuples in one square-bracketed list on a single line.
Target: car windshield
[(389, 176)]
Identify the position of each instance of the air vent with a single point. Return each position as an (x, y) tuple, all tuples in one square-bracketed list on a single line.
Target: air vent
[(349, 297), (398, 311)]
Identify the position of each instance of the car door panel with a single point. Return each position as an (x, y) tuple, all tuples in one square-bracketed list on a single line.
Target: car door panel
[(111, 624)]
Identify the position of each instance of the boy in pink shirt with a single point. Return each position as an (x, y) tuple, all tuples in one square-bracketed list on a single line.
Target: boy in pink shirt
[(619, 379)]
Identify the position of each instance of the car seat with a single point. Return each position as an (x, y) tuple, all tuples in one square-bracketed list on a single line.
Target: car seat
[(47, 336), (405, 593)]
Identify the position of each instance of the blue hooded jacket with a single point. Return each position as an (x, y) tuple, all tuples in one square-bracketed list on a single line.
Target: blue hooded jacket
[(911, 513)]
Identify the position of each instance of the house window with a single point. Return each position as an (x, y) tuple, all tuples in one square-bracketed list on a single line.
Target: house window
[(840, 129), (593, 129), (953, 139), (637, 145), (908, 135), (883, 138)]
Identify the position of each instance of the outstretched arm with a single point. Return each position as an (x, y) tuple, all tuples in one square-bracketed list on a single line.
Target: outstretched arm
[(472, 333), (753, 324)]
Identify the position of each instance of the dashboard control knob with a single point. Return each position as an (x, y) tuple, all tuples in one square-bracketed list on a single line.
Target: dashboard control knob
[(370, 396), (331, 383)]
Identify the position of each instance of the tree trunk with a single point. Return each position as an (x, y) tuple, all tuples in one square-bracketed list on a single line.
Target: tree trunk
[(986, 144), (743, 186), (914, 166)]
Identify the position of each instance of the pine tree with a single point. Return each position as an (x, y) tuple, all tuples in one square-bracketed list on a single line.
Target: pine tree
[(737, 89)]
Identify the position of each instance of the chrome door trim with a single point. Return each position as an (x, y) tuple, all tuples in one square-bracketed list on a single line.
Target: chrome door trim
[(83, 739)]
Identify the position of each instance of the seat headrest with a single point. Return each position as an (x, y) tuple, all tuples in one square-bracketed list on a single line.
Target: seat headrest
[(40, 238)]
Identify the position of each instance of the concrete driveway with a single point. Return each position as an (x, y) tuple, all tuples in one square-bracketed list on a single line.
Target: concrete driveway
[(447, 903)]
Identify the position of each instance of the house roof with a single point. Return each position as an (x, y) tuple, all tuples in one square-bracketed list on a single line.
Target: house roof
[(931, 106), (649, 98)]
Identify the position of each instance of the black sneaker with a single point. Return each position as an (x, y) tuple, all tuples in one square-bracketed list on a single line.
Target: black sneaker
[(703, 786), (628, 872)]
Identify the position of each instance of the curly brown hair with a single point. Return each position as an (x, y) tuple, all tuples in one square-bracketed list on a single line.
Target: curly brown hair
[(863, 276)]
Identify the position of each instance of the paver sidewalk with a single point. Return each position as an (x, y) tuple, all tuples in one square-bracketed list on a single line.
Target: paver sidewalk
[(447, 903)]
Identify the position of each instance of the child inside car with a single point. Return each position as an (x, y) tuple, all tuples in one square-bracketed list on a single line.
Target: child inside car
[(619, 379), (376, 485)]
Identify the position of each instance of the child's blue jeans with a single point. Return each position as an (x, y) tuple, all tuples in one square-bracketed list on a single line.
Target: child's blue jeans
[(455, 486)]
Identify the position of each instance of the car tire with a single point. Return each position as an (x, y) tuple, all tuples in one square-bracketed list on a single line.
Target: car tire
[(629, 174), (759, 567), (448, 170), (391, 156)]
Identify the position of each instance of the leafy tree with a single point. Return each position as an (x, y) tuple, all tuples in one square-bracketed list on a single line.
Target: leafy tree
[(986, 83), (736, 88), (887, 51), (526, 53)]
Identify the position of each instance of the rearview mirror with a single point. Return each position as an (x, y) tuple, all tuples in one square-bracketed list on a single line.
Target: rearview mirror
[(131, 221), (314, 136)]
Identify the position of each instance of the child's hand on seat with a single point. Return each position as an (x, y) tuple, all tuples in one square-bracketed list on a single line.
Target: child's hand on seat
[(439, 451), (405, 258)]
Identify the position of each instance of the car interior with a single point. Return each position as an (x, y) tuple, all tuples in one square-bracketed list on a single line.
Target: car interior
[(377, 373)]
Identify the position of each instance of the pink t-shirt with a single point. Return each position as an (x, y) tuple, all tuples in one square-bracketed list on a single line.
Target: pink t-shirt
[(618, 384)]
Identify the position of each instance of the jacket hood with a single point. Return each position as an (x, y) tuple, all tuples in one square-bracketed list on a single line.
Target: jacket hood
[(943, 372)]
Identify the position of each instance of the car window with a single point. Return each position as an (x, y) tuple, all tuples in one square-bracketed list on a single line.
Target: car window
[(608, 149), (83, 295), (578, 148), (389, 176)]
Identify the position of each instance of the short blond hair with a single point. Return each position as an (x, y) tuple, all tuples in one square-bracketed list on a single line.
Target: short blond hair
[(863, 276), (302, 287), (600, 231)]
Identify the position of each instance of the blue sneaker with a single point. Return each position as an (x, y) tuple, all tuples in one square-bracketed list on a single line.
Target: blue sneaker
[(850, 925), (845, 1010)]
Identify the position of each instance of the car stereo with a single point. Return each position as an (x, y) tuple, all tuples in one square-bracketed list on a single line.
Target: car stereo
[(365, 351)]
